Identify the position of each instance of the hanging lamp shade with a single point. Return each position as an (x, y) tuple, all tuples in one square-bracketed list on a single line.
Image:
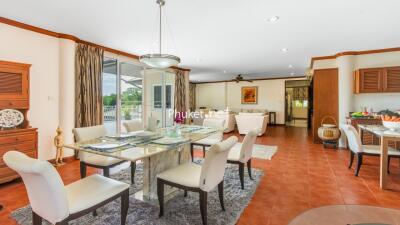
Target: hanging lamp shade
[(160, 61)]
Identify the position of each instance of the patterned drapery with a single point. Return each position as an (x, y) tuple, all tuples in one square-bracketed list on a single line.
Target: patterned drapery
[(88, 85), (192, 97), (180, 95)]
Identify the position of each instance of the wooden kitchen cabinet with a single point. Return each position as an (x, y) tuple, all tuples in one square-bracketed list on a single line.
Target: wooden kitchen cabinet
[(377, 80)]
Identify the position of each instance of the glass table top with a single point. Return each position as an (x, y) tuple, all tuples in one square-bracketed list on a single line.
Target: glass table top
[(137, 145)]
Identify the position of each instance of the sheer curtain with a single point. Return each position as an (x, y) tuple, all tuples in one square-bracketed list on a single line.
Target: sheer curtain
[(88, 85)]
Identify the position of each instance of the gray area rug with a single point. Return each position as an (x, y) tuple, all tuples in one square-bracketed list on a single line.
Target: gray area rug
[(178, 210)]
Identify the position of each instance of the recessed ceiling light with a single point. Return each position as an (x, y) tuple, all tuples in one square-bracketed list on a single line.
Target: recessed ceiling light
[(284, 50), (290, 66), (273, 19), (224, 71), (198, 60), (291, 74)]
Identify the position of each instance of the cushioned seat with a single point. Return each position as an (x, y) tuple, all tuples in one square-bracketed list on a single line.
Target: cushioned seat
[(207, 141), (59, 204), (92, 190), (101, 160), (186, 174), (376, 149), (234, 153)]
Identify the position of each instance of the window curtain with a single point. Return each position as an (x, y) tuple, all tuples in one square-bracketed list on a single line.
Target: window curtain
[(180, 96), (88, 85), (192, 97)]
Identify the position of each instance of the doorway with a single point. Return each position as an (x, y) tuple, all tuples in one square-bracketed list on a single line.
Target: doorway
[(297, 103)]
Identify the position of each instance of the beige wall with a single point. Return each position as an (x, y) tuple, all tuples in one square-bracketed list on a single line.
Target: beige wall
[(211, 95), (271, 96), (42, 52)]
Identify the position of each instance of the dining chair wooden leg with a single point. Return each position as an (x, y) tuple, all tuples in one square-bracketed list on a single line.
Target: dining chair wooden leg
[(249, 168), (94, 213), (160, 195), (359, 163), (204, 151), (191, 152), (203, 206), (124, 206), (388, 165), (106, 172), (64, 222), (241, 175), (221, 194), (36, 219), (82, 166), (185, 194), (351, 158), (133, 170)]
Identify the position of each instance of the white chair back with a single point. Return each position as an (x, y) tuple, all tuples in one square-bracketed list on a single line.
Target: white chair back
[(46, 192), (215, 123), (247, 146), (133, 125), (213, 168), (89, 133), (152, 124), (86, 134), (353, 138)]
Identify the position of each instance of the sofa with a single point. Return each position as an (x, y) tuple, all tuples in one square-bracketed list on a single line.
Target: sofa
[(229, 118), (249, 121)]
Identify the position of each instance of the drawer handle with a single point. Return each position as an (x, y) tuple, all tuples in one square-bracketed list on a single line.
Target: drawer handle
[(17, 139), (10, 103)]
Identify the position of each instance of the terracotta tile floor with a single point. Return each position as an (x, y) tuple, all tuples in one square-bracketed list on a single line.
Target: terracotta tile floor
[(301, 176)]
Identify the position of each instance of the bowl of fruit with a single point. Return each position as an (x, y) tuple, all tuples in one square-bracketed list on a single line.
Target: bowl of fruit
[(390, 120)]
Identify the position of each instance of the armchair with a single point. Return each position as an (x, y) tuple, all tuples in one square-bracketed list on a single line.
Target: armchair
[(252, 121)]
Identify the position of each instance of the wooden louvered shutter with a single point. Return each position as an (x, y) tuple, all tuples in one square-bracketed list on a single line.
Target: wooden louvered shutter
[(370, 80), (14, 84), (391, 79)]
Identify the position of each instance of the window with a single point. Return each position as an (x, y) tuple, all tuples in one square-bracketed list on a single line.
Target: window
[(157, 96)]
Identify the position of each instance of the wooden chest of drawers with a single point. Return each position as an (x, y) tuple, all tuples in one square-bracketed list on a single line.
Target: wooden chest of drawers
[(22, 140)]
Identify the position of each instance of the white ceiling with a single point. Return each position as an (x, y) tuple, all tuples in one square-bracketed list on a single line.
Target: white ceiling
[(211, 36)]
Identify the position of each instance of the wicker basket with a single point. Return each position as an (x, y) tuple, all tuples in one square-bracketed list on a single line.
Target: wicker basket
[(329, 133)]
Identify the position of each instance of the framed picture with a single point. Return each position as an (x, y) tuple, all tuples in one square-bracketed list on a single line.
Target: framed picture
[(250, 95)]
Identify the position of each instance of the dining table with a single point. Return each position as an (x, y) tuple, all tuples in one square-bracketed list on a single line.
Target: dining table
[(159, 151), (385, 135)]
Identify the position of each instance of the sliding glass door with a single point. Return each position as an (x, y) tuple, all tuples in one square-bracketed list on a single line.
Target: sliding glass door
[(122, 93)]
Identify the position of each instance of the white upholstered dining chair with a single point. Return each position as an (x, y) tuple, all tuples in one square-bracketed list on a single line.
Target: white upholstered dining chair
[(357, 148), (241, 154), (133, 125), (58, 204), (212, 139), (199, 178), (94, 160)]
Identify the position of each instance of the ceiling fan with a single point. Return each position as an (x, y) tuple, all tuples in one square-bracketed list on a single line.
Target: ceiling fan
[(239, 78)]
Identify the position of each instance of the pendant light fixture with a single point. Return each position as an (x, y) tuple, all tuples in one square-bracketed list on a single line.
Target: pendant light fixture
[(160, 61)]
